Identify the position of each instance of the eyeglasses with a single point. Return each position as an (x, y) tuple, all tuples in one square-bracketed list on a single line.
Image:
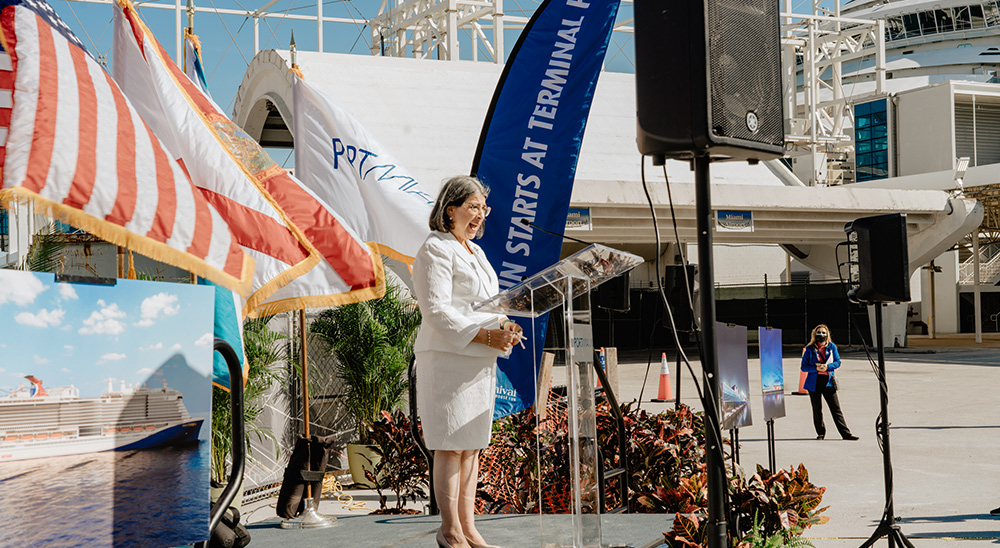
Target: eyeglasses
[(476, 209)]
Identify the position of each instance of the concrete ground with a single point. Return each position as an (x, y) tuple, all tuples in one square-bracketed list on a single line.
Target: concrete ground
[(944, 443)]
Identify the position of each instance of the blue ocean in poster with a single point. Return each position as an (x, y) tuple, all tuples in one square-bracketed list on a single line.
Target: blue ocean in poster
[(772, 379)]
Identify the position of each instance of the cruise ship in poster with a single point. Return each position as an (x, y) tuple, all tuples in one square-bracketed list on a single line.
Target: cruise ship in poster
[(36, 422)]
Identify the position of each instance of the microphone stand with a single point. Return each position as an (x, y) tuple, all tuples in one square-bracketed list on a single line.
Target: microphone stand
[(526, 222)]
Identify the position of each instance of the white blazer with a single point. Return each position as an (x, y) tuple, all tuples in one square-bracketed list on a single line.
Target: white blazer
[(447, 284)]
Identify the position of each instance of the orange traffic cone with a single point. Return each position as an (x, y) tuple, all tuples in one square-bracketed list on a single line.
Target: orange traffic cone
[(802, 384), (666, 391)]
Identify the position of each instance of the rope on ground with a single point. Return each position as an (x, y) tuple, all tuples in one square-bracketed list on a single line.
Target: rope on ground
[(333, 489)]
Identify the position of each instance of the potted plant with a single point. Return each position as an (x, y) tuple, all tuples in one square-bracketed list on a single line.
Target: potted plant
[(400, 466), (372, 342), (261, 352)]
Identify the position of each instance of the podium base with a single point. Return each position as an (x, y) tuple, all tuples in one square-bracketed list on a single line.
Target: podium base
[(310, 519)]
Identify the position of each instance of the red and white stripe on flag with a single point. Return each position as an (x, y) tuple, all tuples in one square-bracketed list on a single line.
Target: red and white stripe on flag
[(305, 256), (77, 148)]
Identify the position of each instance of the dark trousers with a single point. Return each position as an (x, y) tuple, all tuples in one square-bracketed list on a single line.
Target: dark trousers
[(816, 399)]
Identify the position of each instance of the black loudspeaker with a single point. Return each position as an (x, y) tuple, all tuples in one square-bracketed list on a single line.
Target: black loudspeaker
[(614, 294), (708, 79), (881, 257), (677, 295)]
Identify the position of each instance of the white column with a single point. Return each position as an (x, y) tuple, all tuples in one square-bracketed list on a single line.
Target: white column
[(498, 46), (178, 33), (319, 26), (977, 297), (452, 30)]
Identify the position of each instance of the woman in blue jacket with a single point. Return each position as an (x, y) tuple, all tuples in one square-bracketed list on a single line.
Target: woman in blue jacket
[(820, 361)]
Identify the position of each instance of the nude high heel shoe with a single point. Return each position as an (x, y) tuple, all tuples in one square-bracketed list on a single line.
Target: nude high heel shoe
[(442, 542), (475, 545)]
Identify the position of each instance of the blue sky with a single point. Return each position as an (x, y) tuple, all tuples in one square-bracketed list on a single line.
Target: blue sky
[(227, 40), (83, 334)]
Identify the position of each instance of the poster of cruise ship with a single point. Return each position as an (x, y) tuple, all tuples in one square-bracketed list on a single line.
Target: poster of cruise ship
[(105, 397), (35, 422)]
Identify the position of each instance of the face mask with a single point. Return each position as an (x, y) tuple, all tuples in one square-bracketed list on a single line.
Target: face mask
[(820, 337)]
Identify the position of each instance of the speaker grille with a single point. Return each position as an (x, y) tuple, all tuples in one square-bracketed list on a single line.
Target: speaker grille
[(743, 50)]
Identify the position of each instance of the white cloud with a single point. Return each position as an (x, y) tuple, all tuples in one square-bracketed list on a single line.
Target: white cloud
[(152, 307), (205, 341), (111, 357), (40, 360), (66, 370), (20, 288), (67, 292), (68, 348), (105, 321), (157, 346), (43, 318), (175, 347), (144, 372)]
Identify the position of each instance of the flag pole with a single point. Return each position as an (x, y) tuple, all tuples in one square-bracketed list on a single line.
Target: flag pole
[(309, 518)]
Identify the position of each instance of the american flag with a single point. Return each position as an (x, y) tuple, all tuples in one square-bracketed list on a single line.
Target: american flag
[(305, 256), (74, 145)]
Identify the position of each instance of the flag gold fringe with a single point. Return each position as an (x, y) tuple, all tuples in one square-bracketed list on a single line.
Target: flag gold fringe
[(281, 280), (119, 235), (376, 291), (392, 253)]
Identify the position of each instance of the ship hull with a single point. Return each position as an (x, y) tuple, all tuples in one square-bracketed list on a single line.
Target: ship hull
[(175, 434)]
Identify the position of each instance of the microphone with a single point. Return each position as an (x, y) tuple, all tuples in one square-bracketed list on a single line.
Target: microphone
[(526, 222)]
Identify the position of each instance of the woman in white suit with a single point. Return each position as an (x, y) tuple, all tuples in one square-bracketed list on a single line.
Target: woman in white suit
[(456, 352)]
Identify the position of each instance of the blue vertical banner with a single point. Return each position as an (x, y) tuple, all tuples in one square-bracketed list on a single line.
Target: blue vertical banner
[(528, 152)]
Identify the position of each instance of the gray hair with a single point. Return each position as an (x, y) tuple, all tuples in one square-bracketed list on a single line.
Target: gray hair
[(454, 192)]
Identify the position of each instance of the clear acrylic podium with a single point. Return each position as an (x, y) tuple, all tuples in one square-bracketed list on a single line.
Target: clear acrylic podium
[(568, 284)]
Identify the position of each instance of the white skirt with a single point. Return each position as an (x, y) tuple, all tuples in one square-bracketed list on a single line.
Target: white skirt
[(455, 396)]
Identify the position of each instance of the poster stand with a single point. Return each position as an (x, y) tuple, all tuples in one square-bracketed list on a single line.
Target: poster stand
[(734, 445), (238, 448)]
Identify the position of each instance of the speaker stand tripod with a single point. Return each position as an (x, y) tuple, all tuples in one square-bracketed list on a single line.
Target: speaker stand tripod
[(887, 527)]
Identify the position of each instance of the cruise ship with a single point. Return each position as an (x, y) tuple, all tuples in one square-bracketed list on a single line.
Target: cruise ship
[(934, 41), (35, 422)]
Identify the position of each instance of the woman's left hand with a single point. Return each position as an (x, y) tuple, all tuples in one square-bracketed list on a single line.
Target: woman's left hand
[(509, 325)]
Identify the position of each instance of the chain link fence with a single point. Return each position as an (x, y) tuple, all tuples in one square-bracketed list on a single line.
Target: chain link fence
[(282, 417)]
